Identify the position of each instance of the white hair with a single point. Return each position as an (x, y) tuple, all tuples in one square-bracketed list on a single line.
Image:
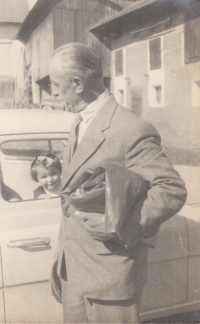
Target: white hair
[(78, 59)]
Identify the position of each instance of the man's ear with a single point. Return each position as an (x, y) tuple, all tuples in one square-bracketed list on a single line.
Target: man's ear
[(78, 84)]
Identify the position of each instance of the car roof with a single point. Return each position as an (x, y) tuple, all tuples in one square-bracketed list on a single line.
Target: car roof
[(34, 121)]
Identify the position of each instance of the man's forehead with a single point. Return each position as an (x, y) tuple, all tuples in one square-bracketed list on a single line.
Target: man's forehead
[(55, 66)]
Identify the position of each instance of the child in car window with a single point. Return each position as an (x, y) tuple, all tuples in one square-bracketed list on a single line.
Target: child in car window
[(46, 169)]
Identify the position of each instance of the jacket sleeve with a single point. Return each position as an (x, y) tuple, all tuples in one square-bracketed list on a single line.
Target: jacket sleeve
[(167, 193)]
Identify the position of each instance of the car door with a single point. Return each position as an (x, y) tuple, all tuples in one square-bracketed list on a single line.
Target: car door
[(167, 282), (2, 313), (173, 283), (28, 232)]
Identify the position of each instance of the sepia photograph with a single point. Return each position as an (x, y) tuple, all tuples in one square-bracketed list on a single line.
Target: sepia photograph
[(100, 161)]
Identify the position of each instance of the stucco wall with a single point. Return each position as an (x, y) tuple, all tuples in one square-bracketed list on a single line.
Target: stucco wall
[(178, 120)]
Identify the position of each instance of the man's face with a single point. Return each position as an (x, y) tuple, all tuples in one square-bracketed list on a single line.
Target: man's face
[(64, 87)]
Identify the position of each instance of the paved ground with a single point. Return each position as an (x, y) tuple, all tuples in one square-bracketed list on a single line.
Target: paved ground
[(192, 317)]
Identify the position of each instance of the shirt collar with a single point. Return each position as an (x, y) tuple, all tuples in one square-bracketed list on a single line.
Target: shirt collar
[(94, 106)]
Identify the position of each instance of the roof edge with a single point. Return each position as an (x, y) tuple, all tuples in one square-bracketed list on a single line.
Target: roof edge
[(112, 26), (116, 3), (33, 19), (125, 11), (39, 12)]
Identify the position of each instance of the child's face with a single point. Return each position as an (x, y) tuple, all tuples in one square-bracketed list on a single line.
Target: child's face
[(49, 179)]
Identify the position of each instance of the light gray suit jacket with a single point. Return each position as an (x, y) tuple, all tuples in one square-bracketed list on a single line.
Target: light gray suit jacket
[(110, 270)]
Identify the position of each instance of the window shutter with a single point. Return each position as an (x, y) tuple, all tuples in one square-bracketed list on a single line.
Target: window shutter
[(191, 46), (155, 54), (136, 99), (118, 62)]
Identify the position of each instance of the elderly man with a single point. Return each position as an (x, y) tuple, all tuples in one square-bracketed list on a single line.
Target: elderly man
[(102, 280)]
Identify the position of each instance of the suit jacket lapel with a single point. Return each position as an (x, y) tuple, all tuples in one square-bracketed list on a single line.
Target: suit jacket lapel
[(93, 138)]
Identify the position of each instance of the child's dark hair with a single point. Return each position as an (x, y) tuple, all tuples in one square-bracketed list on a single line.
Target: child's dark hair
[(48, 160)]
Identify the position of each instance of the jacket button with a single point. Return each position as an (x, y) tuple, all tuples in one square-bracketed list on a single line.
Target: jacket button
[(67, 215)]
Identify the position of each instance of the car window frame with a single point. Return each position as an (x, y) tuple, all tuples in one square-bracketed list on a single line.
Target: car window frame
[(23, 137)]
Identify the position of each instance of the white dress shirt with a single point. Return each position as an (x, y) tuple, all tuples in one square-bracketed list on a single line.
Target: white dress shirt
[(89, 113)]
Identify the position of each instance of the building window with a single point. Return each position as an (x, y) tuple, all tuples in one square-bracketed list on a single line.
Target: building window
[(191, 45), (196, 93), (106, 82), (158, 94), (121, 97), (155, 53), (119, 62), (136, 99)]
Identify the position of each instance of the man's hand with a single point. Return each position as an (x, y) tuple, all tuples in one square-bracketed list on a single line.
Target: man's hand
[(93, 223)]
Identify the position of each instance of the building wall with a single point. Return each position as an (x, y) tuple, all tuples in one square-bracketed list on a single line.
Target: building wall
[(41, 48), (72, 21), (9, 50), (177, 117), (69, 21), (8, 30), (178, 120), (38, 53), (9, 62)]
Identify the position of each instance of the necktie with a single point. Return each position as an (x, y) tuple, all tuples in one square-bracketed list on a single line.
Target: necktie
[(73, 135)]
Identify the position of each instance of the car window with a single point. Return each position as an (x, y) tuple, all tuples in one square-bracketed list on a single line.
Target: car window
[(58, 147), (16, 158), (19, 149)]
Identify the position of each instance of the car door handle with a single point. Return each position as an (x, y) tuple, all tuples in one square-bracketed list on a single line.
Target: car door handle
[(28, 242)]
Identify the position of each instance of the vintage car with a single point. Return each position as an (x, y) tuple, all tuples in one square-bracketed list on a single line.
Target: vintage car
[(29, 229)]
